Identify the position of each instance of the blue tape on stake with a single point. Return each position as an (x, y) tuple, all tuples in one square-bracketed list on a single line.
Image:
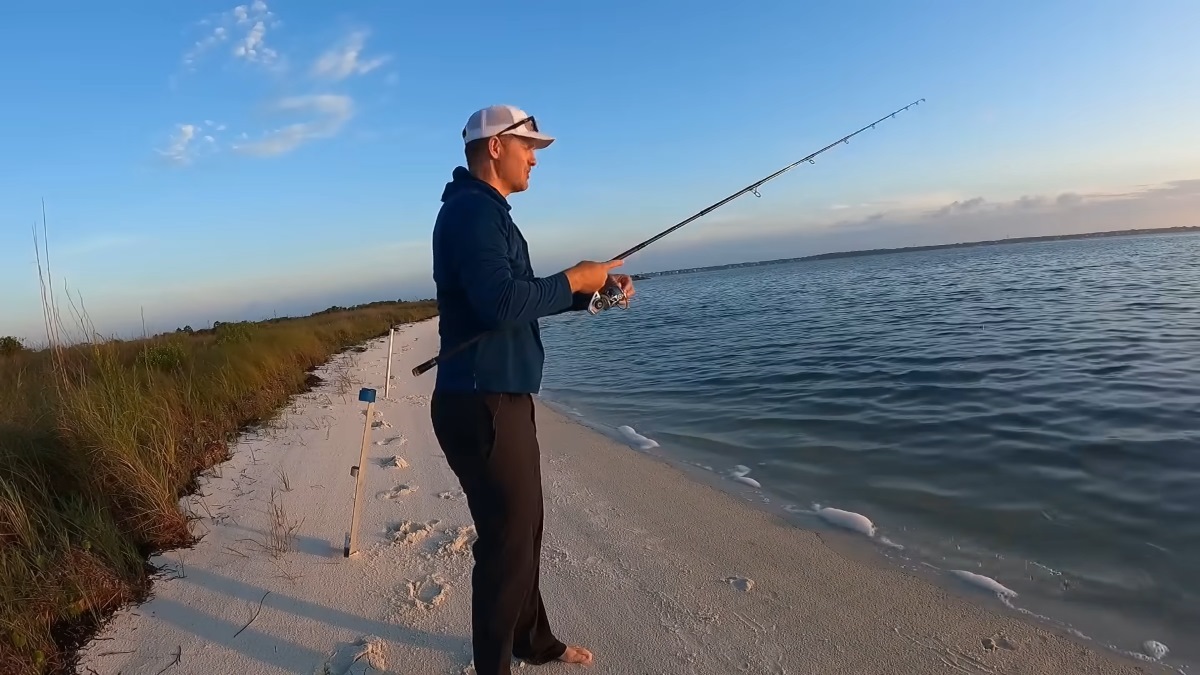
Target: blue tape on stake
[(366, 395)]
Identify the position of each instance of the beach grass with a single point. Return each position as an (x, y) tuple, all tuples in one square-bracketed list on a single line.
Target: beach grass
[(100, 438)]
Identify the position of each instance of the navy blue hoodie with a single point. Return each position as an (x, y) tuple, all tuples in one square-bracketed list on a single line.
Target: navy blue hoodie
[(485, 281)]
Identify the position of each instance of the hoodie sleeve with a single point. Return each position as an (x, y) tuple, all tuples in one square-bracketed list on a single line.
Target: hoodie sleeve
[(496, 296), (579, 301)]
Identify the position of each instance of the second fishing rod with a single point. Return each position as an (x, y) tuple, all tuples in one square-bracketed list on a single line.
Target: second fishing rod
[(612, 296)]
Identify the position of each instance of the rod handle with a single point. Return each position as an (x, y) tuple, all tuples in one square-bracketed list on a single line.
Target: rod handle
[(424, 367)]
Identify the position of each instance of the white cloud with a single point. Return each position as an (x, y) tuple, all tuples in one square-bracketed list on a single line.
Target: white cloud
[(178, 150), (246, 26), (219, 34), (190, 141), (345, 60), (330, 112)]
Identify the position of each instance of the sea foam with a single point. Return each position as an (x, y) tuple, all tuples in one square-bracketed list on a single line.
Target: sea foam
[(635, 439), (739, 474), (984, 582), (847, 519)]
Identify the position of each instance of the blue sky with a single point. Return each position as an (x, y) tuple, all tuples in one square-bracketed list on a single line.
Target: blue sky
[(207, 160)]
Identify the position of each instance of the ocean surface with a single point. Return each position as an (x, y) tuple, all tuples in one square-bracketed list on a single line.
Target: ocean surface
[(1027, 412)]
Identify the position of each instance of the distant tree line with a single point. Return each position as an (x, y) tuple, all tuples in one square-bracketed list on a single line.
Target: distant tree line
[(277, 319)]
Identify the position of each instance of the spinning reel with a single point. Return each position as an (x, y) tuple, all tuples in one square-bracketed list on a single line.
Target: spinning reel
[(607, 298)]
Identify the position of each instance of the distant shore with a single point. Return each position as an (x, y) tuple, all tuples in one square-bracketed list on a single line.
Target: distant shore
[(914, 249)]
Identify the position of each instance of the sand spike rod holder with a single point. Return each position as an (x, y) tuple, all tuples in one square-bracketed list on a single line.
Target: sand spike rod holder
[(351, 548), (612, 296)]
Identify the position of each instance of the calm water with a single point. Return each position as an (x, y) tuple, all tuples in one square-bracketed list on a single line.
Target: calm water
[(1029, 412)]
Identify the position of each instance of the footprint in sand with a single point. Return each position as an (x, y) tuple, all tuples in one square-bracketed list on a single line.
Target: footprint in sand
[(379, 422), (419, 400), (452, 495), (998, 642), (741, 583), (409, 532), (427, 593), (393, 462), (354, 659), (458, 542), (398, 491), (395, 440)]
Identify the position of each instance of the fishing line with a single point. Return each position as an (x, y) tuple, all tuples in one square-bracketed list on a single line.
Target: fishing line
[(611, 296)]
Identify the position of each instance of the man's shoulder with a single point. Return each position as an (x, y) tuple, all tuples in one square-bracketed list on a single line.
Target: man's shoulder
[(468, 216), (470, 205)]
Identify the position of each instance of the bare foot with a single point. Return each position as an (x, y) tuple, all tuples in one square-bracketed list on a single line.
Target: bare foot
[(576, 655)]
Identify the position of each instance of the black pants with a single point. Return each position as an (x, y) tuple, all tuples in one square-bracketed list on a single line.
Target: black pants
[(490, 442)]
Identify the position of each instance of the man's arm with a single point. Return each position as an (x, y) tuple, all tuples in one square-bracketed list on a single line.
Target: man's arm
[(495, 295), (579, 301)]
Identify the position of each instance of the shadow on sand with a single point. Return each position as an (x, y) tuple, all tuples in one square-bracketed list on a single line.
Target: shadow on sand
[(276, 650)]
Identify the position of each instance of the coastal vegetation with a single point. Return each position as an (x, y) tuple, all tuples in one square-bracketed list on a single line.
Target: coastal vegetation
[(99, 439)]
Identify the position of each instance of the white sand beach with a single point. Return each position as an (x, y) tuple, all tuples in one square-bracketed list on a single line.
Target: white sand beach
[(655, 572)]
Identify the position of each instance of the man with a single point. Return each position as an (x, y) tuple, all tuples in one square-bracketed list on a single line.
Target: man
[(482, 405)]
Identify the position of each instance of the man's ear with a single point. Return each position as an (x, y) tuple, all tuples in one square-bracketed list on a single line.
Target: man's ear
[(494, 146)]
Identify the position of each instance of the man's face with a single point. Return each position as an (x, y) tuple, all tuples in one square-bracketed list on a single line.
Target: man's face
[(515, 162)]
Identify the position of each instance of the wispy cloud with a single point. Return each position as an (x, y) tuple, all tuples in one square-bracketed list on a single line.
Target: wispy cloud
[(189, 141), (1168, 205), (329, 112), (177, 151), (957, 206), (244, 34), (243, 29), (346, 59)]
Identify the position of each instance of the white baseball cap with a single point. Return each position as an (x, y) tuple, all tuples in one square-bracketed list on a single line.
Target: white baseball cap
[(504, 119)]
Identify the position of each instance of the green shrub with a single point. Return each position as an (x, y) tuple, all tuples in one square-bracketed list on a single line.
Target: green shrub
[(10, 346), (234, 333), (167, 356)]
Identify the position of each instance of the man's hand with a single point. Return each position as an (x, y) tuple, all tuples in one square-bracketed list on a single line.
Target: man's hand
[(589, 277), (624, 282)]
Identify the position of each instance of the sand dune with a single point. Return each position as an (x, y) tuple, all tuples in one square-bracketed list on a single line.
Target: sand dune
[(656, 573)]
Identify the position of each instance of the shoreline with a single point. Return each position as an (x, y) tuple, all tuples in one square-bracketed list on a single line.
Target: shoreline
[(704, 582), (878, 549)]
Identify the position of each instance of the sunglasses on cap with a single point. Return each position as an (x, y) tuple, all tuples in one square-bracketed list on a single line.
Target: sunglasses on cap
[(532, 125)]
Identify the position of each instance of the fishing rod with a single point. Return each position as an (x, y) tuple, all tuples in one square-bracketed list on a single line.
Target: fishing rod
[(612, 296)]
